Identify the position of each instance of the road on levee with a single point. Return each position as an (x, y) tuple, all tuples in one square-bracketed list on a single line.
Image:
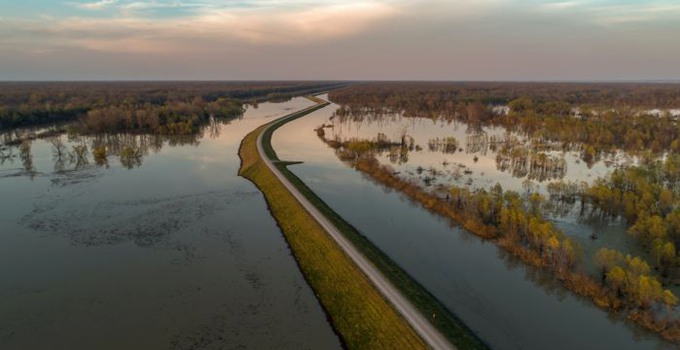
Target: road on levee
[(419, 323)]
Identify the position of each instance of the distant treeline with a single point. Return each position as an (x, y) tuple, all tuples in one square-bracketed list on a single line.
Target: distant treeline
[(172, 118), (153, 106), (437, 95)]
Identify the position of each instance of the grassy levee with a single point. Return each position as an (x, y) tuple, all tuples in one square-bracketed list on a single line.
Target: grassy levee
[(440, 317), (357, 311), (446, 322)]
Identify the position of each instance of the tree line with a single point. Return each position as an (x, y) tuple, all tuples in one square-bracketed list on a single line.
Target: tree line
[(553, 98), (176, 118), (24, 104)]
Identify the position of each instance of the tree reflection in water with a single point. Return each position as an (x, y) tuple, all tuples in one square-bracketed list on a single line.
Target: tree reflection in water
[(71, 152)]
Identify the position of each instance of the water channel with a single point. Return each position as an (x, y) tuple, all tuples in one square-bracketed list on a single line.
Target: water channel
[(161, 246)]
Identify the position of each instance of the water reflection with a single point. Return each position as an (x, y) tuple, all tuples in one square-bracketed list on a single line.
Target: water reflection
[(178, 254), (58, 153), (27, 158), (477, 142), (75, 152), (70, 149), (522, 162), (5, 154)]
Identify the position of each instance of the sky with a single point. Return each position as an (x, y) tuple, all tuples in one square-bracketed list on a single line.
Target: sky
[(525, 40)]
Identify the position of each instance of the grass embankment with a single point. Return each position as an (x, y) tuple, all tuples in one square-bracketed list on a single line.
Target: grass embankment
[(448, 324), (358, 312), (316, 99), (440, 317)]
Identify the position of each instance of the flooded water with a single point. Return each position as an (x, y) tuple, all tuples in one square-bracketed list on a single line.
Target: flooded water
[(455, 153), (159, 246), (509, 305)]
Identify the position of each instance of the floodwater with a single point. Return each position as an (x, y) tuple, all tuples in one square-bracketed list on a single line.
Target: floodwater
[(480, 157), (160, 246), (509, 305)]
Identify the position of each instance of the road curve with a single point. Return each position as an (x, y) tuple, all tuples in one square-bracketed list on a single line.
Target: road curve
[(425, 330)]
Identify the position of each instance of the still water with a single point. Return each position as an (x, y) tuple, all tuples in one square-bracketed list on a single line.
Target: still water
[(160, 246), (509, 305), (480, 158)]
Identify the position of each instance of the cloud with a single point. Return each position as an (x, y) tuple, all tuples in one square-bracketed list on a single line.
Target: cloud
[(143, 5), (207, 29), (384, 39), (300, 26), (94, 5), (562, 5), (615, 13)]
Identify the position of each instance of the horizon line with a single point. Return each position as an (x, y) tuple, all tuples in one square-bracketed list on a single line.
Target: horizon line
[(657, 81)]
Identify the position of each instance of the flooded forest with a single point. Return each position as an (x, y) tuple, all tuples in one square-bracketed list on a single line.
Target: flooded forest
[(581, 180)]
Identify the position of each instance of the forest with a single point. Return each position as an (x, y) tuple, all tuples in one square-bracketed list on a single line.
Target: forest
[(158, 107), (428, 97)]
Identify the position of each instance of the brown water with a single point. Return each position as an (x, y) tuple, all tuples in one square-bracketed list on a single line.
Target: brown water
[(509, 305), (161, 247)]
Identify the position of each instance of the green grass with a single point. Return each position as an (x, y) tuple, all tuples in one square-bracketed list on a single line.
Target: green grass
[(357, 311), (446, 322)]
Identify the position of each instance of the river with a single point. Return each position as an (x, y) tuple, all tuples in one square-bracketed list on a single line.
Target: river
[(160, 247)]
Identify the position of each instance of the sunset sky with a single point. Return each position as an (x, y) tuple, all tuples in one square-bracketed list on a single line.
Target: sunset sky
[(302, 39)]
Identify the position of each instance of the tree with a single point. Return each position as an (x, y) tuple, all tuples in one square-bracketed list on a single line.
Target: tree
[(606, 259), (521, 104), (663, 253), (666, 200), (649, 228), (99, 154), (616, 279)]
